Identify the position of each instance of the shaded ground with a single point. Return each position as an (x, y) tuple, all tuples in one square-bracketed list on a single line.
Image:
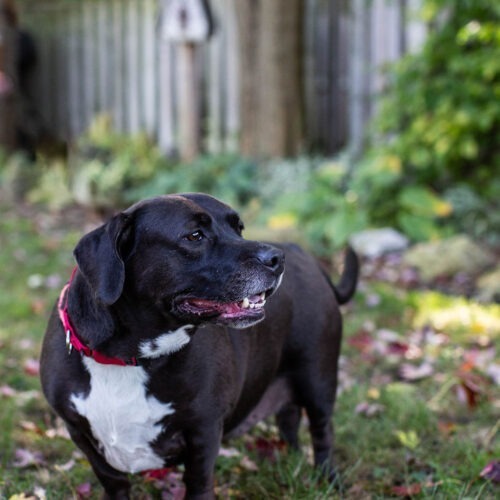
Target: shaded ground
[(416, 414)]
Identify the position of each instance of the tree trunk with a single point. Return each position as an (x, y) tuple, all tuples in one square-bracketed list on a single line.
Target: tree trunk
[(271, 76)]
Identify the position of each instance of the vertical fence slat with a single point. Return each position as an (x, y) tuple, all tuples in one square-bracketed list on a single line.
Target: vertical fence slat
[(166, 138), (74, 74), (232, 118), (131, 67), (214, 81), (149, 67), (105, 56)]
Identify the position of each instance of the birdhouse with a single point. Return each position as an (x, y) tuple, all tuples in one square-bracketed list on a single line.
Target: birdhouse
[(186, 21)]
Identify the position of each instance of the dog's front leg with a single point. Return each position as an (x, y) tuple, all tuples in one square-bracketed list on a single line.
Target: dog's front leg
[(202, 448), (116, 484)]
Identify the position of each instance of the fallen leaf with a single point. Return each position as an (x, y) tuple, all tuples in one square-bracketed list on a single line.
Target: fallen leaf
[(32, 367), (229, 452), (407, 490), (248, 464), (493, 371), (373, 300), (471, 388), (38, 306), (174, 488), (267, 448), (492, 471), (480, 358), (362, 341), (154, 474), (28, 426), (408, 439), (373, 393), (7, 391), (26, 458), (40, 493), (26, 344), (397, 348), (387, 336), (84, 490), (368, 409), (447, 428), (412, 372), (66, 467)]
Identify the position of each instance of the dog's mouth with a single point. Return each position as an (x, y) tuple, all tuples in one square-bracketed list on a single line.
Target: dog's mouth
[(241, 313)]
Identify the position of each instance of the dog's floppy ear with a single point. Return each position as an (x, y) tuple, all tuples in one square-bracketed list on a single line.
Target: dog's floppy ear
[(98, 257)]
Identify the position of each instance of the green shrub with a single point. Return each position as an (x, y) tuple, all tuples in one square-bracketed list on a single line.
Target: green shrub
[(442, 107), (106, 165), (225, 176), (443, 103)]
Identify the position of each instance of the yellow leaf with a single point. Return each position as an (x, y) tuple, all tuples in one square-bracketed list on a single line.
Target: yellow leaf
[(408, 439), (282, 221), (443, 208), (373, 393)]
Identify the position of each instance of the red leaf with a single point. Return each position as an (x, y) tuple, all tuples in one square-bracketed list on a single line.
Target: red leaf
[(154, 474), (407, 491), (398, 348), (492, 471), (267, 448), (362, 341), (471, 388), (84, 490), (32, 367)]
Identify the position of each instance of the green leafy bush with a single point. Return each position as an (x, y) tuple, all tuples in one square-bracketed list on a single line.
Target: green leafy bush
[(226, 176), (443, 104), (442, 108), (106, 165)]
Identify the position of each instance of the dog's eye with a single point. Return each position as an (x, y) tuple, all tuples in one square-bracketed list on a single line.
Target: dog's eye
[(196, 236)]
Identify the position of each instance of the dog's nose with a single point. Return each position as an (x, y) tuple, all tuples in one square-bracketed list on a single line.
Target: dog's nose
[(272, 257)]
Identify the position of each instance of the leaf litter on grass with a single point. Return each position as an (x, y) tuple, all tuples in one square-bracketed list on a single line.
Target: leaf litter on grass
[(418, 385)]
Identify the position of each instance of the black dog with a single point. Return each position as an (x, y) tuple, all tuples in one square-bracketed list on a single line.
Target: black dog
[(159, 347)]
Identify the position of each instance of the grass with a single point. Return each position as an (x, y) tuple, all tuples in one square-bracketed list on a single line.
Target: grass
[(397, 434)]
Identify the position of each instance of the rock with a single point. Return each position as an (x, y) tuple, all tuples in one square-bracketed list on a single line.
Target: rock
[(445, 258), (488, 286), (378, 242)]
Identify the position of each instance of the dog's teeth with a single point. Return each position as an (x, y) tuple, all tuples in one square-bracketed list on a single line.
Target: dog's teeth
[(245, 303), (263, 296), (252, 305)]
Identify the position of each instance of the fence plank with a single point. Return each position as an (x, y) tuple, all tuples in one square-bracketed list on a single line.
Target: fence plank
[(105, 56)]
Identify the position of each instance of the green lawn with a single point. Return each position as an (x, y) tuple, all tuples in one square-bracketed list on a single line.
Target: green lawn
[(416, 414)]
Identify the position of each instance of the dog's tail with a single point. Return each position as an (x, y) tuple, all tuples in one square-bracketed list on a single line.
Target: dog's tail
[(349, 279)]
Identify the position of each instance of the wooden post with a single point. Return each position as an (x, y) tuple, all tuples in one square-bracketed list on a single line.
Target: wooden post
[(189, 103), (8, 115), (187, 23)]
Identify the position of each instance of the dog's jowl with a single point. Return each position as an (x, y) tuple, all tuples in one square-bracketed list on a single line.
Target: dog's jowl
[(174, 333)]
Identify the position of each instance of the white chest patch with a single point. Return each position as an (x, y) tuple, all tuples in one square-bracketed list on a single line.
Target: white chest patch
[(165, 344), (123, 419)]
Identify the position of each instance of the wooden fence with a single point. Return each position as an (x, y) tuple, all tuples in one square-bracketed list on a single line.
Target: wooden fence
[(100, 56)]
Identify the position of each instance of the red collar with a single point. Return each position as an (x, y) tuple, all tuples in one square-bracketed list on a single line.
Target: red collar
[(72, 340)]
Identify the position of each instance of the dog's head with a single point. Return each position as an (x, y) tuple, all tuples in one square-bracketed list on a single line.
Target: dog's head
[(183, 255)]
